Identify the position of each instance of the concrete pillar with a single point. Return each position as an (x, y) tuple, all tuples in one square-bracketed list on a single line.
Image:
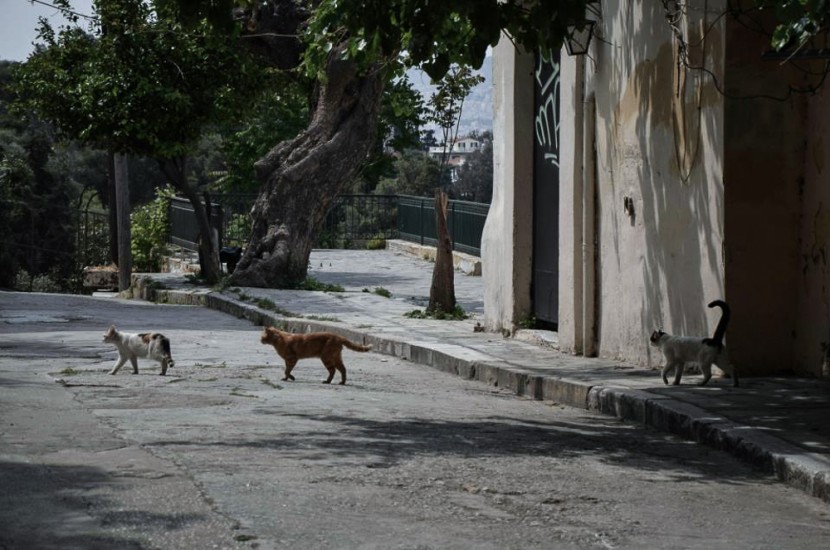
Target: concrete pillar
[(507, 240), (570, 205)]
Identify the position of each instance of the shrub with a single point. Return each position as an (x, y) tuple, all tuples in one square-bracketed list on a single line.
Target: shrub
[(45, 282), (151, 231), (380, 291), (238, 230), (457, 314), (376, 243), (23, 281), (310, 283)]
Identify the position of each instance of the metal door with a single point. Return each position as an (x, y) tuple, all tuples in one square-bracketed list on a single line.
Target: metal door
[(546, 190)]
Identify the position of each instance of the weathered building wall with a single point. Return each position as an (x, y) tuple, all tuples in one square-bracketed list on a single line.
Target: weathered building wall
[(649, 148), (659, 187), (506, 243), (695, 186), (812, 335), (572, 217), (764, 175)]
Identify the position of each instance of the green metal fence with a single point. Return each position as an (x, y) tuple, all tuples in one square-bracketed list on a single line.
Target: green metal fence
[(55, 246), (359, 221), (416, 222), (93, 240), (184, 230), (364, 221)]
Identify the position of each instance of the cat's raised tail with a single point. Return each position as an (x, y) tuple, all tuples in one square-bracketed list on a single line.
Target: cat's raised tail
[(717, 338)]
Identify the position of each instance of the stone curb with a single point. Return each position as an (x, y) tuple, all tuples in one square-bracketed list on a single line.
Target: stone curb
[(788, 463), (466, 263)]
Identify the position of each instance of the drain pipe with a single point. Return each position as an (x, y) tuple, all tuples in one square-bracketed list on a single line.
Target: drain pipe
[(589, 227), (578, 206)]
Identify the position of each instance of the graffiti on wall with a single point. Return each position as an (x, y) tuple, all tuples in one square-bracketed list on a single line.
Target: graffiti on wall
[(547, 106), (546, 189)]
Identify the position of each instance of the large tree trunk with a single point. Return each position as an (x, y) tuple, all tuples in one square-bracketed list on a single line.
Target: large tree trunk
[(442, 291), (301, 177), (175, 169)]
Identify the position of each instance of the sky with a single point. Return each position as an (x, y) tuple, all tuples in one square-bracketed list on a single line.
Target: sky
[(18, 24)]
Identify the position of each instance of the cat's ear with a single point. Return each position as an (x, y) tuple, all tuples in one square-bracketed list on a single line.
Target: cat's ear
[(112, 329)]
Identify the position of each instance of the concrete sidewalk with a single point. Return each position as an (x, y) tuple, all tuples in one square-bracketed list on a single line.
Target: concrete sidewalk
[(777, 424)]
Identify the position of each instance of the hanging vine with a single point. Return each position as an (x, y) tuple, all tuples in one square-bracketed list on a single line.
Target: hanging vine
[(795, 40), (685, 154), (798, 49)]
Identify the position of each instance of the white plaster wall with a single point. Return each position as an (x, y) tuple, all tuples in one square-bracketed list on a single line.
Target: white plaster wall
[(660, 267), (570, 207), (506, 247)]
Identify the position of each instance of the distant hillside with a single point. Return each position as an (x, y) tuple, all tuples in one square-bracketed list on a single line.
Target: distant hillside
[(477, 113)]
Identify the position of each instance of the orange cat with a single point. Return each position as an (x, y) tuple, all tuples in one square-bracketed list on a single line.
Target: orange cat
[(325, 345)]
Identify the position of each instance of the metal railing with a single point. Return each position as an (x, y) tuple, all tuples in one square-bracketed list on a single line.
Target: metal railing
[(184, 231), (93, 240), (416, 222), (359, 221), (364, 221), (354, 221), (236, 209), (60, 243)]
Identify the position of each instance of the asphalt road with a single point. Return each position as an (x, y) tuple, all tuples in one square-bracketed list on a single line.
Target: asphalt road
[(223, 454)]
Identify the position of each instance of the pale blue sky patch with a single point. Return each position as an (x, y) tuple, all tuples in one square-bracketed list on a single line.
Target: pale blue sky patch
[(18, 26)]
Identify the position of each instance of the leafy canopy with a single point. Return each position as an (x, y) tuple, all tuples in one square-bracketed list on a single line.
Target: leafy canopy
[(430, 34), (279, 112), (799, 21), (139, 82), (435, 35)]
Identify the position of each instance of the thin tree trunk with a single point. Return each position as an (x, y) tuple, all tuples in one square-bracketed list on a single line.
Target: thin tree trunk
[(175, 169), (442, 291), (301, 177), (122, 206)]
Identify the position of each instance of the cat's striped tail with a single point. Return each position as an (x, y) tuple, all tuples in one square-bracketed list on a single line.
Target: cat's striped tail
[(165, 347)]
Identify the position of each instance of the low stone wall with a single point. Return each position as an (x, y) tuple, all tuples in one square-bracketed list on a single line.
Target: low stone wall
[(466, 263), (101, 277)]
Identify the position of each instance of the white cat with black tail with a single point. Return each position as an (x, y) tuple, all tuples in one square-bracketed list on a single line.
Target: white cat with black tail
[(151, 345), (679, 350)]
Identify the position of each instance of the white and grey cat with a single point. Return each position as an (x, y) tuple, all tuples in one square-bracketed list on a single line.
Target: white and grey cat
[(151, 345), (679, 350)]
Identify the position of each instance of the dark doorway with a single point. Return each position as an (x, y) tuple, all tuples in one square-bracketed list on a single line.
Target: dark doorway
[(546, 190)]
